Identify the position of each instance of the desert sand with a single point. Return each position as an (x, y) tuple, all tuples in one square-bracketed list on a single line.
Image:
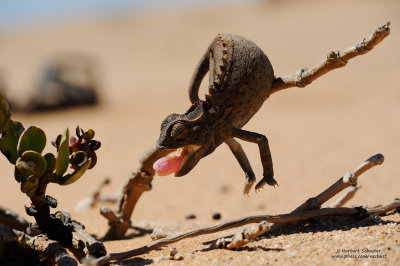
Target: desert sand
[(316, 134)]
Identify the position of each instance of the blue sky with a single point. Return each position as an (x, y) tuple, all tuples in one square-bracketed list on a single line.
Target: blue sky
[(26, 13), (22, 13)]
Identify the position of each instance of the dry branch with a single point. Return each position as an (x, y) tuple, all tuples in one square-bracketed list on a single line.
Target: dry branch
[(335, 59), (307, 210), (242, 237), (348, 194), (386, 208), (350, 178), (96, 198), (282, 218), (12, 219), (140, 181)]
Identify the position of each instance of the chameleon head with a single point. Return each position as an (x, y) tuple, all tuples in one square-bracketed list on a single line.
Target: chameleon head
[(189, 135)]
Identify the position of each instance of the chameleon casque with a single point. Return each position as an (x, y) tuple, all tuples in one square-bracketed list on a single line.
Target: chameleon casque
[(240, 79)]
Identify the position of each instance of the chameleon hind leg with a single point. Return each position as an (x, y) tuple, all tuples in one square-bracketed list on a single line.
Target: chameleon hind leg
[(244, 163), (265, 154)]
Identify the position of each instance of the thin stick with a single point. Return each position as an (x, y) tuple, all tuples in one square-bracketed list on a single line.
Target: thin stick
[(348, 179), (242, 237), (137, 183), (309, 209), (283, 218), (335, 59), (12, 219), (384, 209), (96, 197), (348, 194)]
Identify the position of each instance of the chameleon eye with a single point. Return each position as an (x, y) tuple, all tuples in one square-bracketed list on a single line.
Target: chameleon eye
[(179, 131)]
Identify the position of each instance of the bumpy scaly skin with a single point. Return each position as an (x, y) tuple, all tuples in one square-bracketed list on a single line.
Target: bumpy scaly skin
[(240, 79)]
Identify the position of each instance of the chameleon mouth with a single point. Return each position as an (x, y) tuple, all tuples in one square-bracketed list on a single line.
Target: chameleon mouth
[(172, 164)]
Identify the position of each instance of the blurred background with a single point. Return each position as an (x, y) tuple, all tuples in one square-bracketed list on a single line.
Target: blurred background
[(120, 67)]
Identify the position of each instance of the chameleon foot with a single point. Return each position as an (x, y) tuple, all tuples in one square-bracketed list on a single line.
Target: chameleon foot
[(266, 180)]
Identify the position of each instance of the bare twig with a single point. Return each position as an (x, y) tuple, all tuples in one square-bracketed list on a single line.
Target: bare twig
[(96, 198), (137, 183), (347, 195), (335, 59), (309, 209), (348, 179), (283, 218), (242, 237), (158, 233), (12, 219), (385, 209)]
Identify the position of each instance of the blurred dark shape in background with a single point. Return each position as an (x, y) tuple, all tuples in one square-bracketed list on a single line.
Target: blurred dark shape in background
[(68, 80), (2, 86)]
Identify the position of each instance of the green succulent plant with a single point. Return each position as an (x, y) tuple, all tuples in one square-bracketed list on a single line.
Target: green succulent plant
[(5, 114), (23, 148)]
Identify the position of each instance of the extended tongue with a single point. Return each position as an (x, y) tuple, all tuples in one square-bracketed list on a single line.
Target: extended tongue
[(169, 165)]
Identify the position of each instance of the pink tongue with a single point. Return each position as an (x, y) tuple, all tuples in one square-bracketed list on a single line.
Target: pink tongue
[(168, 165)]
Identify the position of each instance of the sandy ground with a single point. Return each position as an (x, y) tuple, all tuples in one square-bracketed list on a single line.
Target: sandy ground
[(316, 134)]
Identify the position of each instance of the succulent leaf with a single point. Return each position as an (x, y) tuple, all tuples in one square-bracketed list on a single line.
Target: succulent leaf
[(71, 178), (79, 158), (32, 139), (9, 140), (51, 162), (90, 134), (4, 113), (22, 170), (30, 163), (94, 145), (93, 156), (62, 160)]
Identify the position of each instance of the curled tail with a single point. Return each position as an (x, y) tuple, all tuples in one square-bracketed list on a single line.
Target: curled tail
[(198, 75)]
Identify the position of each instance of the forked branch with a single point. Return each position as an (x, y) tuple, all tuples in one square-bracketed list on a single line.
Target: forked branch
[(350, 178), (349, 193), (119, 220), (283, 218), (335, 59), (299, 214)]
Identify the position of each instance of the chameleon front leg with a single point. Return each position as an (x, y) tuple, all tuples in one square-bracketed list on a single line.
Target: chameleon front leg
[(241, 157), (265, 154)]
